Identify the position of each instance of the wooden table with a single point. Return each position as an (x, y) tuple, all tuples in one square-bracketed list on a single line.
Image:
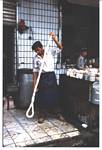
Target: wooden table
[(74, 98)]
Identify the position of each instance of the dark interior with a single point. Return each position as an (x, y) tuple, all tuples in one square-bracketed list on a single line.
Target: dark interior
[(80, 30), (8, 55)]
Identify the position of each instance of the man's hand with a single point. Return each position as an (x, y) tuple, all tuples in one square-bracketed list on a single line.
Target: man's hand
[(54, 37), (52, 34)]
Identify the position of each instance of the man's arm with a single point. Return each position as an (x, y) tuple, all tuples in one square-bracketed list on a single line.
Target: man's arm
[(54, 37), (35, 75)]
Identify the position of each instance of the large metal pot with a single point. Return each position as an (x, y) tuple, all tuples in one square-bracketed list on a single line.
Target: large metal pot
[(25, 89), (95, 93)]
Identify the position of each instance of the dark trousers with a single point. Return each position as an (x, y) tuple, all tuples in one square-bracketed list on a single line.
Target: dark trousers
[(47, 96)]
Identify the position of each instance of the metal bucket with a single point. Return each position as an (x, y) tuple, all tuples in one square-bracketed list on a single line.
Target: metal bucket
[(95, 93), (25, 80)]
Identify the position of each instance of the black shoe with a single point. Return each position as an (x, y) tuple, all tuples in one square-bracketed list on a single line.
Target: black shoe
[(41, 120), (60, 117), (41, 117)]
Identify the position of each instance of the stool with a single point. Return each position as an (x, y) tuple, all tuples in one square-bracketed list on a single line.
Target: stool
[(9, 98), (11, 94)]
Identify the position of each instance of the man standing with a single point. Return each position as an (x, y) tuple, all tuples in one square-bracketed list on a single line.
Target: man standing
[(81, 61), (47, 92)]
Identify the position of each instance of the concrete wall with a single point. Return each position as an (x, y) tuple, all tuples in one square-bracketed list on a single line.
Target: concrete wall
[(94, 3)]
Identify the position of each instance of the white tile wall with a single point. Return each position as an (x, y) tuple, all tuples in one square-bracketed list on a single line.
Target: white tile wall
[(42, 16)]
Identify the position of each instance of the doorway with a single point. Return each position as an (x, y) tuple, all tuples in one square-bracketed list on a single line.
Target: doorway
[(8, 56)]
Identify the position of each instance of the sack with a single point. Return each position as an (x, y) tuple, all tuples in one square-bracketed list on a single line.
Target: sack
[(95, 93)]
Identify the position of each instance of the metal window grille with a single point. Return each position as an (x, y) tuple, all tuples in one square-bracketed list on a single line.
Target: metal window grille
[(9, 12), (41, 17)]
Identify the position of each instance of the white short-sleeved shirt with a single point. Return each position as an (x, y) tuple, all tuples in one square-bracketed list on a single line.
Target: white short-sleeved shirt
[(81, 62), (48, 61)]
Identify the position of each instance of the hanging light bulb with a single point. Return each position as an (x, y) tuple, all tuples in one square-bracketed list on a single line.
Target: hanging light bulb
[(30, 37), (30, 33)]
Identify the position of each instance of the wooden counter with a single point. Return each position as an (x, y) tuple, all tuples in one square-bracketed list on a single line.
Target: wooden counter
[(74, 98)]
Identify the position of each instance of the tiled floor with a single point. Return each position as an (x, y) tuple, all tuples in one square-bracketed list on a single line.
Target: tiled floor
[(19, 131)]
